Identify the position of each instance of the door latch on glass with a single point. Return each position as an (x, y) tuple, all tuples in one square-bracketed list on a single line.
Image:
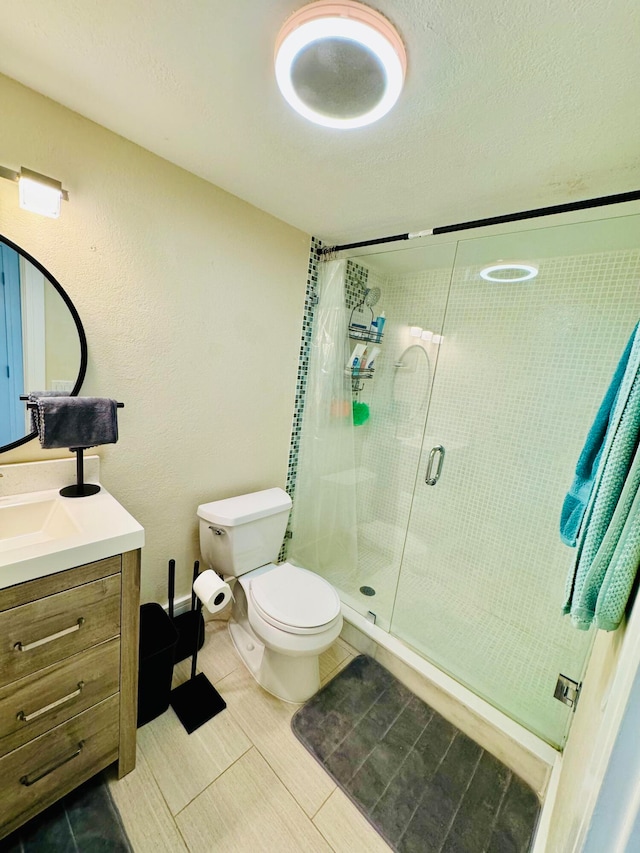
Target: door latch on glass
[(567, 691)]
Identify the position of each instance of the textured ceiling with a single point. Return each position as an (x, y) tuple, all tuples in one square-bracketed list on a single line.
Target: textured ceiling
[(509, 104)]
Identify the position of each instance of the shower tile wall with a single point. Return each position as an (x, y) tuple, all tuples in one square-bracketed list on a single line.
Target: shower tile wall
[(481, 602), (355, 284)]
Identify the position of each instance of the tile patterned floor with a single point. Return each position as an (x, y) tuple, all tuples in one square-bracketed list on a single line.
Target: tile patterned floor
[(242, 782)]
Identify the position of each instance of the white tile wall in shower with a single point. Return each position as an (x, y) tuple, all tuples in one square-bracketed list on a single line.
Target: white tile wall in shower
[(520, 375)]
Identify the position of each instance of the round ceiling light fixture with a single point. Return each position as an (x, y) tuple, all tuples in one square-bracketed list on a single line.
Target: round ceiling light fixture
[(509, 271), (340, 65)]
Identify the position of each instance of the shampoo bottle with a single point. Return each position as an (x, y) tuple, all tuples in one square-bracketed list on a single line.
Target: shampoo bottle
[(371, 357), (356, 357), (379, 324)]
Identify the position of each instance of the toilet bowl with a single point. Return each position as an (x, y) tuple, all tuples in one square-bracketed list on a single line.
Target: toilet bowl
[(283, 616), (282, 619)]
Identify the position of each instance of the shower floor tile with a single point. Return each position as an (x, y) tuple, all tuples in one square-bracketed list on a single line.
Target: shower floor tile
[(423, 784)]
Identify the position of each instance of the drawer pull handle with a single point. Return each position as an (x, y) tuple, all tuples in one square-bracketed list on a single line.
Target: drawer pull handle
[(25, 780), (25, 647), (26, 718)]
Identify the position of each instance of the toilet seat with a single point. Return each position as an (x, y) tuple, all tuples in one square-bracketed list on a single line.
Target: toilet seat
[(294, 600)]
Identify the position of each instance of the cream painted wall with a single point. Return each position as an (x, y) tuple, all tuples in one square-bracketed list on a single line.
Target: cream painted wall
[(192, 304), (577, 777)]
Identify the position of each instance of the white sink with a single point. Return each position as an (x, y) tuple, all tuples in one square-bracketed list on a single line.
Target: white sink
[(31, 522), (42, 533)]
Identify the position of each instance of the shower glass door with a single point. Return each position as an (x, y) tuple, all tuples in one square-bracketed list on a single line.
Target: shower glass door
[(516, 382), (414, 285)]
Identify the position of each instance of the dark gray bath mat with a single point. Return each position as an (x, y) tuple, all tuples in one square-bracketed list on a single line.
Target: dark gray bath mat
[(423, 784)]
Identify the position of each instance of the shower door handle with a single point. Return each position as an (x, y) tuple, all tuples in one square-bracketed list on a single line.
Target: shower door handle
[(438, 451)]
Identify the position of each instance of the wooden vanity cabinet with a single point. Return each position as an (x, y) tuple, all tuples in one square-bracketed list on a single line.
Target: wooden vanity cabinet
[(68, 682)]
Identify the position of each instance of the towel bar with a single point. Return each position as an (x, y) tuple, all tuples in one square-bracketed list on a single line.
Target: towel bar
[(79, 489), (33, 405)]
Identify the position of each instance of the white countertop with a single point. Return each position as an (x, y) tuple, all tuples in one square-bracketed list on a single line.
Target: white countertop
[(74, 531)]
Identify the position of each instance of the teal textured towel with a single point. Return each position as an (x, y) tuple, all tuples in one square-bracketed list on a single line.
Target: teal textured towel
[(577, 499), (599, 584), (619, 577)]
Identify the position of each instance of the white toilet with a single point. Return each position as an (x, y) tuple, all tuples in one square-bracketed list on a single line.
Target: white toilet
[(283, 617)]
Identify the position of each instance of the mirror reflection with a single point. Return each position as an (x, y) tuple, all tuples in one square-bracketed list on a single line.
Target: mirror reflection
[(41, 344)]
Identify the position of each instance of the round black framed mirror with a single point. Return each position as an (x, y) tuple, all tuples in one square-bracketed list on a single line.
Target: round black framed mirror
[(43, 346)]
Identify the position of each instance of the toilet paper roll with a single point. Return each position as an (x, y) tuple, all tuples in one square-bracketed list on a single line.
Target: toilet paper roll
[(212, 591)]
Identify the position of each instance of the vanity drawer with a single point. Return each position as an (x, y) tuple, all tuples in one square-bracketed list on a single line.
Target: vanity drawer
[(44, 632), (23, 593), (37, 703), (43, 770)]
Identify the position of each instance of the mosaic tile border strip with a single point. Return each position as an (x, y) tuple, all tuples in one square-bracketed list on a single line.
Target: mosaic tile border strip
[(310, 301)]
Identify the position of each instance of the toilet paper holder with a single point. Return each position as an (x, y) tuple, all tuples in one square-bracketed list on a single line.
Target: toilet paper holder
[(212, 590), (196, 701)]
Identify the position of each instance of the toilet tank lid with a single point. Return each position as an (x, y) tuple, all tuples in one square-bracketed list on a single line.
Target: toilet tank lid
[(244, 508)]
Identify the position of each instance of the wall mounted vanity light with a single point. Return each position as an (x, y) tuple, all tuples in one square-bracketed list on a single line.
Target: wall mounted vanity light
[(340, 64), (38, 193)]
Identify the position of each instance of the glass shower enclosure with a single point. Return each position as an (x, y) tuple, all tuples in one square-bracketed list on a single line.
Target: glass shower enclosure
[(483, 393)]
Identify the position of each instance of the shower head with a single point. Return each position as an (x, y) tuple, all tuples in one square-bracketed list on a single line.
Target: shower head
[(371, 296)]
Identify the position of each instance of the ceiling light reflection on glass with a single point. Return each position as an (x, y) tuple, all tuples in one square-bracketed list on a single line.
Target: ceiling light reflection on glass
[(509, 271)]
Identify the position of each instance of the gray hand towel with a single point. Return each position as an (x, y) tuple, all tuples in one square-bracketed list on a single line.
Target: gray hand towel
[(33, 398), (76, 421)]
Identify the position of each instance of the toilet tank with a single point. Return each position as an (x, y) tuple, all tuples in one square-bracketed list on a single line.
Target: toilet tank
[(242, 533)]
